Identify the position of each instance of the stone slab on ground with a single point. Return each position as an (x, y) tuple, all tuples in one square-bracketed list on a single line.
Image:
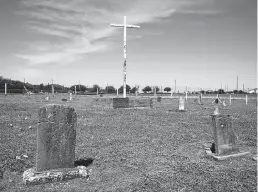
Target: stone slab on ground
[(225, 157), (32, 177), (120, 103)]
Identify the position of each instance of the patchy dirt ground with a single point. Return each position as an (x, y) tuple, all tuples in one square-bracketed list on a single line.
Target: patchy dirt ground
[(155, 149)]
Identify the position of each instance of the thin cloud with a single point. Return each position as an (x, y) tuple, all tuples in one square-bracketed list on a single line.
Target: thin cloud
[(82, 26)]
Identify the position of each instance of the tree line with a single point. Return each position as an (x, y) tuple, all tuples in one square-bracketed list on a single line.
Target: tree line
[(18, 87)]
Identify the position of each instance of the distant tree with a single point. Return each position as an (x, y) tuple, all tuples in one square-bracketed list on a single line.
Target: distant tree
[(79, 88), (157, 89), (235, 91), (102, 91), (133, 90), (110, 89), (41, 86), (95, 87), (146, 89), (167, 89), (221, 91), (121, 89)]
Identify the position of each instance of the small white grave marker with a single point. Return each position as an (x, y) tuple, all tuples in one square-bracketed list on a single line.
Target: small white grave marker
[(71, 96), (181, 104), (224, 103), (216, 112), (5, 91)]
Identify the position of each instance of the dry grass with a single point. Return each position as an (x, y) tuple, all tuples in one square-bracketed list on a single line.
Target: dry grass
[(133, 150)]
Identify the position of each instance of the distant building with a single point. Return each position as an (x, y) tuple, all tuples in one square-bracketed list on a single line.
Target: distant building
[(252, 91)]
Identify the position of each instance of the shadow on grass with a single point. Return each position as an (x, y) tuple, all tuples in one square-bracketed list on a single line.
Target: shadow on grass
[(83, 162)]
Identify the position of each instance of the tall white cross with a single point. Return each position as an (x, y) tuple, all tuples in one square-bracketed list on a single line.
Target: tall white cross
[(124, 26)]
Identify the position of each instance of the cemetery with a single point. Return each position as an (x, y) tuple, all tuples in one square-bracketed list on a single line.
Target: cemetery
[(68, 139), (127, 149)]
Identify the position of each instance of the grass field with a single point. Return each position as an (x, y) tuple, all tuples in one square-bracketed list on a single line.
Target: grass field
[(155, 149)]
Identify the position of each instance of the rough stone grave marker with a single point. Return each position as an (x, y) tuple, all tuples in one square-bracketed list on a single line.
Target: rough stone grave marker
[(55, 156), (225, 139)]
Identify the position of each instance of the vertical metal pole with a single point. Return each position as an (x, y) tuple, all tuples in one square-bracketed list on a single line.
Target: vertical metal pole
[(186, 94), (97, 91), (246, 99), (5, 92), (230, 99), (80, 87), (23, 85), (237, 83), (124, 57), (117, 92), (74, 90), (52, 88), (175, 86)]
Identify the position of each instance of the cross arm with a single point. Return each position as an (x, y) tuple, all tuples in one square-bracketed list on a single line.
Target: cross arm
[(128, 26), (116, 25)]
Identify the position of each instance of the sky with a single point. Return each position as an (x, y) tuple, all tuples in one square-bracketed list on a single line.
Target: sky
[(199, 43)]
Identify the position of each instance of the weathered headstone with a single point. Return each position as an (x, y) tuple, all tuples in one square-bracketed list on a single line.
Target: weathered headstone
[(71, 96), (56, 137), (181, 104), (55, 156), (225, 139), (159, 99), (120, 103)]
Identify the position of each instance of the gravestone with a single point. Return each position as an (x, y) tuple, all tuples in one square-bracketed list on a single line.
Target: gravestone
[(159, 99), (181, 104), (55, 155), (120, 103), (56, 137), (225, 139), (216, 112), (71, 96)]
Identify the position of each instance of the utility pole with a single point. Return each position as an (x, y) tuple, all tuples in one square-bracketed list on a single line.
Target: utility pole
[(23, 85), (80, 87), (175, 86), (53, 88), (237, 83), (124, 26), (243, 87)]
